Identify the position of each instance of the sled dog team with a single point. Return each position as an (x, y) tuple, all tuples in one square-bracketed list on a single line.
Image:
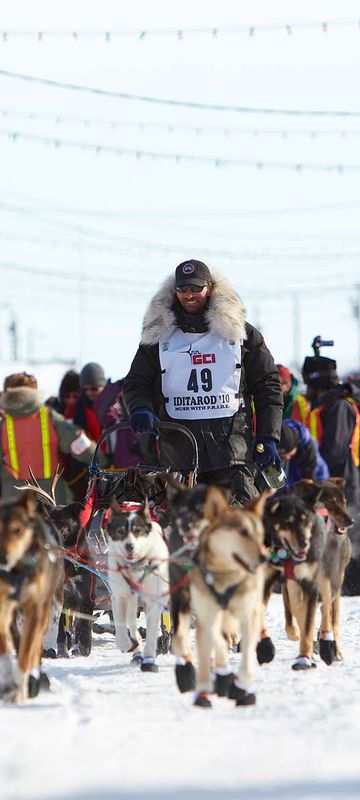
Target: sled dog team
[(217, 563)]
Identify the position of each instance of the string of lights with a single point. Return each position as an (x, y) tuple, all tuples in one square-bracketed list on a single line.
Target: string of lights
[(173, 102), (214, 31), (178, 158), (60, 119)]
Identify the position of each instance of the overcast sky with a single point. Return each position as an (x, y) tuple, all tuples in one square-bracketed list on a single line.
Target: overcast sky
[(87, 237)]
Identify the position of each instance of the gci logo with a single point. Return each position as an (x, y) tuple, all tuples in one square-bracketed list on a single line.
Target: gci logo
[(206, 358)]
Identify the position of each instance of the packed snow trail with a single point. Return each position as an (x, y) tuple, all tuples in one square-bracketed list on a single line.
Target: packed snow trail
[(108, 731)]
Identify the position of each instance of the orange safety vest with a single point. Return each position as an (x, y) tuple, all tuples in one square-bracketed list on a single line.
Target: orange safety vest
[(317, 430), (29, 441), (300, 410)]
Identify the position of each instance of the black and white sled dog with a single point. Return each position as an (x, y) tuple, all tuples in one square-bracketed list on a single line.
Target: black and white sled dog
[(138, 569)]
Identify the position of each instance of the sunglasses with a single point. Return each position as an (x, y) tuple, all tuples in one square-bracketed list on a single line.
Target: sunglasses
[(193, 289)]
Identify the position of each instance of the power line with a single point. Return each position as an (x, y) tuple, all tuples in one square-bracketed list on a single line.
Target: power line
[(59, 119), (175, 103), (177, 158), (108, 35)]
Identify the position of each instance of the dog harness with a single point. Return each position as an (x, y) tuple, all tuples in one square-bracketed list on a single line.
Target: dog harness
[(222, 598)]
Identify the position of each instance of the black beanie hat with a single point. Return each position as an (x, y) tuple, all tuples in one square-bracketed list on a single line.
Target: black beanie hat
[(92, 375), (69, 383), (320, 372), (289, 438)]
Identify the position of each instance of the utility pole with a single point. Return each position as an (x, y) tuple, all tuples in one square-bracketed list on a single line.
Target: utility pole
[(296, 329), (14, 339)]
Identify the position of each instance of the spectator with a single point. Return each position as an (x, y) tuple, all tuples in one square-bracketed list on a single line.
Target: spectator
[(335, 421), (33, 434), (124, 445), (68, 395), (296, 406), (300, 454)]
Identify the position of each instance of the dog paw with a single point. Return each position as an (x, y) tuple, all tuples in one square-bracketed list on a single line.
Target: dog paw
[(185, 677), (136, 658), (148, 665), (222, 684), (202, 701), (8, 692), (327, 651), (49, 653), (241, 696), (63, 650), (265, 650), (124, 643), (163, 644), (303, 663), (338, 654)]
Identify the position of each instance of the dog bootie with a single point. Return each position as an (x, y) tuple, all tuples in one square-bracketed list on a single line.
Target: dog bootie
[(302, 663), (222, 684), (241, 696), (148, 665), (265, 650), (327, 651), (136, 658), (50, 653), (185, 677), (202, 701)]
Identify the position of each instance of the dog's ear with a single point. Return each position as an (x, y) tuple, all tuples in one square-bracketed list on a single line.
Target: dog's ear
[(73, 510), (146, 509), (114, 505), (338, 482), (215, 504), (173, 487), (257, 506), (308, 490), (28, 501)]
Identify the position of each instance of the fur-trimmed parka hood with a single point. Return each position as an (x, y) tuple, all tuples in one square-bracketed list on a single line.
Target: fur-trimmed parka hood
[(20, 401), (225, 313)]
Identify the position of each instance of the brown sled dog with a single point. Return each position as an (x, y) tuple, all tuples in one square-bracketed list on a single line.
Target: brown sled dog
[(30, 573), (306, 530), (226, 589)]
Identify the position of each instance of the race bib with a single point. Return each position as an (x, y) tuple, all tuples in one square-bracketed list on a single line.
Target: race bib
[(200, 375)]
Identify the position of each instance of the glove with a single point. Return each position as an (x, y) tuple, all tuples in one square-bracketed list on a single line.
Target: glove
[(142, 420), (265, 452)]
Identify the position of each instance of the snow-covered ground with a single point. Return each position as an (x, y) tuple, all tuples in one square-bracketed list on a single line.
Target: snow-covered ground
[(108, 731)]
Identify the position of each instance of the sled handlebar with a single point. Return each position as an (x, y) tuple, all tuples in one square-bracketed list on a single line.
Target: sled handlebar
[(160, 426)]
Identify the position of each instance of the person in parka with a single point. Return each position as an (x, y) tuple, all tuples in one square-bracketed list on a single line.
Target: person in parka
[(33, 434), (201, 364)]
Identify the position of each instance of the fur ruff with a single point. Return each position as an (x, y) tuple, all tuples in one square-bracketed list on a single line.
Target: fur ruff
[(225, 314), (20, 401)]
